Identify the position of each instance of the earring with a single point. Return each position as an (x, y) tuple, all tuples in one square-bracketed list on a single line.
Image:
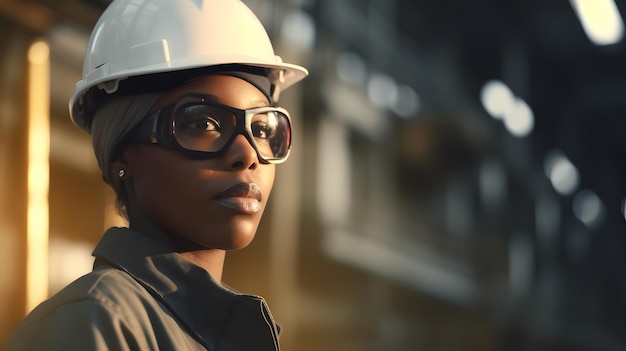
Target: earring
[(121, 173)]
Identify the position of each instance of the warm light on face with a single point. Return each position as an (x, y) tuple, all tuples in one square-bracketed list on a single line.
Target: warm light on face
[(38, 173)]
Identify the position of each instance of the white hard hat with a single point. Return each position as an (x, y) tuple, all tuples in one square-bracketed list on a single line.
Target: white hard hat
[(135, 38)]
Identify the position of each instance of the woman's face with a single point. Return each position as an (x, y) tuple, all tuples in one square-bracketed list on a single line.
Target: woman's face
[(216, 203)]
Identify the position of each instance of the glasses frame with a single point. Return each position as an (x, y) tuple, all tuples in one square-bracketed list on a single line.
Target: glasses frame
[(158, 128)]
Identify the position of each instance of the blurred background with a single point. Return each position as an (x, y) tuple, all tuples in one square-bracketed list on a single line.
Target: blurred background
[(456, 181)]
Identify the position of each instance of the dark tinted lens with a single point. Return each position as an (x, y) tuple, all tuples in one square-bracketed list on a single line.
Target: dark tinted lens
[(272, 133), (203, 127)]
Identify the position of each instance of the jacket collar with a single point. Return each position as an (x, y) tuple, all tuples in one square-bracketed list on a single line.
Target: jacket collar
[(203, 305)]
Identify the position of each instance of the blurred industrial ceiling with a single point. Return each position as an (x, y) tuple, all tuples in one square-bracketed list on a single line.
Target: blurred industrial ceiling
[(538, 47)]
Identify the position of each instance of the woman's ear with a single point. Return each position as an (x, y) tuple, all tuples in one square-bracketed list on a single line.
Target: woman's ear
[(120, 167)]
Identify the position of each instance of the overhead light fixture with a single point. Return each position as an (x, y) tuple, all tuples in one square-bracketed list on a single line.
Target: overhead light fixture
[(600, 20), (500, 102), (562, 173), (588, 208), (298, 29)]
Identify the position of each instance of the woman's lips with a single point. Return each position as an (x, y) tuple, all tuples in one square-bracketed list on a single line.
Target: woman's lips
[(244, 197)]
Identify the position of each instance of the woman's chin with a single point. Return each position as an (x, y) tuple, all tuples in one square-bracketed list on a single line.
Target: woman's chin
[(242, 234), (239, 240), (229, 241)]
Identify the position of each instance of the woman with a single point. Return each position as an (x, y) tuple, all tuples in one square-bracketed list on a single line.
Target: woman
[(179, 97)]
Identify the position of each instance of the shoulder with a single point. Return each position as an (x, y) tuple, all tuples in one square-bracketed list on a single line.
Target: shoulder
[(108, 287), (94, 312)]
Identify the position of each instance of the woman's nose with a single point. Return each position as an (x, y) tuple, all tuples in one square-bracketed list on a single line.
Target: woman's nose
[(241, 155)]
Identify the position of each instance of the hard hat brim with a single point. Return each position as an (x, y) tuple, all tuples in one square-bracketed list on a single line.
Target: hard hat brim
[(291, 75)]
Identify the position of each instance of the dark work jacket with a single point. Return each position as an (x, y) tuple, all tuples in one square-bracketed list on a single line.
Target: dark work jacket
[(142, 295)]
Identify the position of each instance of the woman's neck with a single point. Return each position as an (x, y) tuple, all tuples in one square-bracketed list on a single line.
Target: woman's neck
[(212, 260)]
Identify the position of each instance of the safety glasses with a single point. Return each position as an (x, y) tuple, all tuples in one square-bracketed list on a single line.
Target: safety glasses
[(203, 128)]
